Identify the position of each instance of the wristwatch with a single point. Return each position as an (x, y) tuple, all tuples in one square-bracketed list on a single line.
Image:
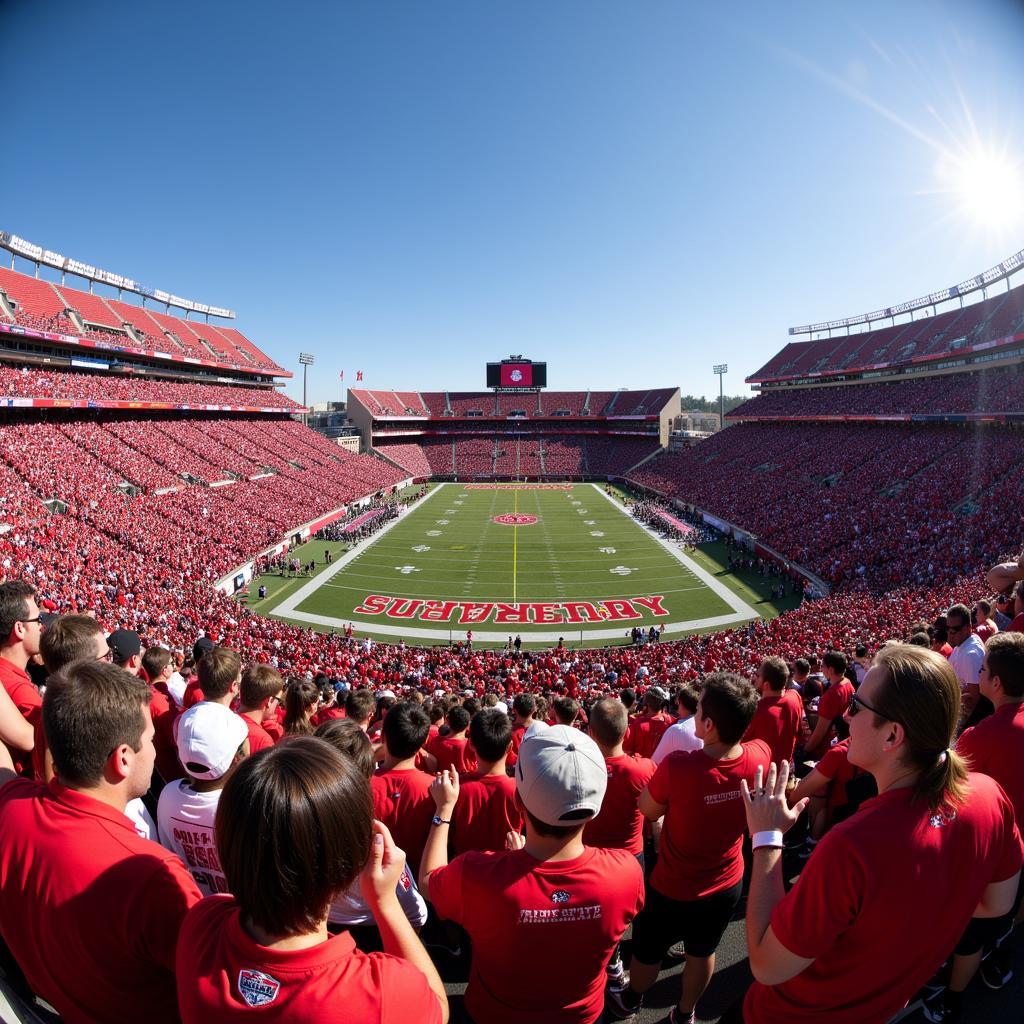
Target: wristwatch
[(438, 820)]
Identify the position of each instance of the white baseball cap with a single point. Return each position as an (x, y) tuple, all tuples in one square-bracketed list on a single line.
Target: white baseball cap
[(561, 775), (209, 736)]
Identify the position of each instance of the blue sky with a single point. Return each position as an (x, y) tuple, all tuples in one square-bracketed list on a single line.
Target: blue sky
[(629, 191)]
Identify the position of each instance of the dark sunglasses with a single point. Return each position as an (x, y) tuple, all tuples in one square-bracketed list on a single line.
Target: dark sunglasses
[(856, 704)]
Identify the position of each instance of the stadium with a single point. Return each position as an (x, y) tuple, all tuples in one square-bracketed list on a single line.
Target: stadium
[(469, 699)]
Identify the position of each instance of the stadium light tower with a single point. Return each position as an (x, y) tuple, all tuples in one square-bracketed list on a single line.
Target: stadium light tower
[(307, 361), (721, 369)]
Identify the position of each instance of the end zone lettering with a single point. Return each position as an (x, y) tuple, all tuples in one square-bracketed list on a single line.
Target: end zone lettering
[(532, 613)]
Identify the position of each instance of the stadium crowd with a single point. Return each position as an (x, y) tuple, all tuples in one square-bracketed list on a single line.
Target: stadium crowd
[(286, 842)]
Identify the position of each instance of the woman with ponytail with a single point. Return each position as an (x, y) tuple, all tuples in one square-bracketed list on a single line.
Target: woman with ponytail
[(887, 894)]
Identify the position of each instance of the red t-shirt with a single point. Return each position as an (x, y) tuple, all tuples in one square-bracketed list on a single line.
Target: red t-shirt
[(25, 696), (777, 722), (452, 752), (259, 738), (223, 975), (90, 910), (328, 715), (518, 732), (485, 813), (835, 766), (619, 825), (996, 748), (164, 712), (402, 800), (868, 909), (835, 700), (542, 931), (644, 733), (193, 693), (701, 850)]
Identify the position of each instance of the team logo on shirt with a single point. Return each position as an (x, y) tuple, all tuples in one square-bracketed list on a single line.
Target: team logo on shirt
[(560, 896), (257, 988)]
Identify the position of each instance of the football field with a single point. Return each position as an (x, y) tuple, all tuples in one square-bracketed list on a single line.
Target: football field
[(540, 560)]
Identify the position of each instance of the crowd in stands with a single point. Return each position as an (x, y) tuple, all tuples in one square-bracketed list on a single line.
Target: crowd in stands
[(25, 382), (526, 405), (962, 394), (834, 498), (273, 839), (997, 318), (46, 306)]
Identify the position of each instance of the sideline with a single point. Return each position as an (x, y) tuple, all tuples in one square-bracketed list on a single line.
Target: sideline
[(741, 611)]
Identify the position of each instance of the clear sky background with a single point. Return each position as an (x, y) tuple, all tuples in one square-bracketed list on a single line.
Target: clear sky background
[(631, 191)]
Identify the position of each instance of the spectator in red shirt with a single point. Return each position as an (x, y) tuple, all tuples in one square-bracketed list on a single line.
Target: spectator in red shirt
[(862, 930), (259, 692), (359, 706), (452, 750), (695, 885), (832, 705), (524, 706), (266, 946), (984, 625), (487, 810), (20, 634), (995, 747), (91, 910), (401, 793), (779, 711), (647, 729), (550, 905)]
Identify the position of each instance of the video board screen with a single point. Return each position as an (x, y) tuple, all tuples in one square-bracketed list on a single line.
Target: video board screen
[(517, 374)]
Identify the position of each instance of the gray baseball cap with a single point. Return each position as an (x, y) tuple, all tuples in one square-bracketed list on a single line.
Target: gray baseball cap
[(561, 775)]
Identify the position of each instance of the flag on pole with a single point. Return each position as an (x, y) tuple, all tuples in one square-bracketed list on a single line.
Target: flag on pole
[(341, 376), (359, 375)]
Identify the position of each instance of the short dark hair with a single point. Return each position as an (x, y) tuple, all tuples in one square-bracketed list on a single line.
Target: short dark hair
[(67, 639), (689, 696), (802, 665), (154, 661), (293, 829), (405, 729), (542, 828), (14, 598), (217, 670), (834, 660), (775, 673), (609, 721), (359, 704), (524, 705), (90, 709), (490, 732), (730, 702), (566, 710), (472, 705), (961, 611), (258, 683), (628, 697), (1005, 655), (458, 718), (345, 736)]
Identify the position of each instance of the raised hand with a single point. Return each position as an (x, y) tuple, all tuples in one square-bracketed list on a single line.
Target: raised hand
[(766, 805)]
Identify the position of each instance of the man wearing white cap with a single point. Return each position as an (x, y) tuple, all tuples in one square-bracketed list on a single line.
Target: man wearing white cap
[(212, 739), (550, 905)]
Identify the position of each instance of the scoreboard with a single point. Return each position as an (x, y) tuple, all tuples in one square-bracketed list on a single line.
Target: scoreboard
[(517, 373)]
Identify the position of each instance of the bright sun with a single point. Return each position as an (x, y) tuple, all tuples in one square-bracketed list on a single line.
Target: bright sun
[(989, 187)]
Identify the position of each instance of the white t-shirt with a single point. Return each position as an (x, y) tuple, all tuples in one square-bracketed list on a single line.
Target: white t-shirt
[(135, 811), (966, 661), (176, 687), (681, 736), (185, 820), (350, 909)]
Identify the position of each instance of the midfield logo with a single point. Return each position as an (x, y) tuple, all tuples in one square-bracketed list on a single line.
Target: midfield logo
[(535, 613)]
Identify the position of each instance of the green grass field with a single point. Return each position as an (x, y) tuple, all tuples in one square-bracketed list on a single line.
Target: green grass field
[(578, 567)]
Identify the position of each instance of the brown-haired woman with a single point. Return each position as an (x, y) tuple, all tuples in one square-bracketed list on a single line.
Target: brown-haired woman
[(887, 893), (294, 828), (301, 701)]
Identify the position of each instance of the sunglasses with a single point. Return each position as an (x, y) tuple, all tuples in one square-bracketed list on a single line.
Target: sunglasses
[(857, 704)]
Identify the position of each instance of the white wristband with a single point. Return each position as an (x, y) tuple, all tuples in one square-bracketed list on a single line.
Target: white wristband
[(771, 838)]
